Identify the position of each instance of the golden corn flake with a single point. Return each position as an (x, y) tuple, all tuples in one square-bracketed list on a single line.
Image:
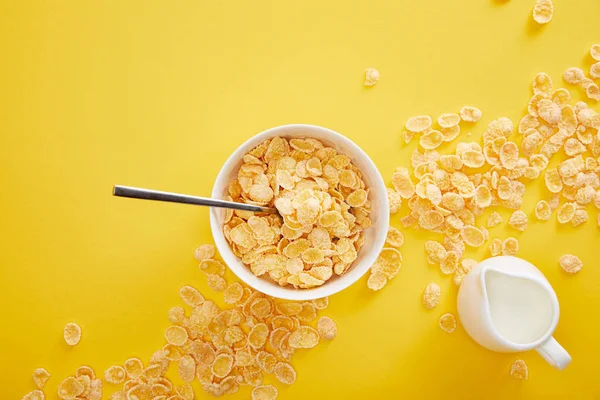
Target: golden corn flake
[(115, 374), (206, 251), (394, 200), (494, 219), (496, 247), (470, 114), (447, 323), (472, 236), (258, 335), (209, 266), (371, 77), (509, 155), (542, 11), (510, 246), (573, 75), (483, 196), (265, 392), (566, 212), (176, 335), (394, 238), (285, 373), (305, 337), (40, 377), (216, 282), (518, 370), (570, 263), (134, 368), (187, 368), (70, 388), (222, 365), (327, 328), (595, 70), (431, 296), (448, 120), (233, 293), (518, 220), (72, 333), (579, 217), (191, 296), (449, 264), (34, 395), (543, 210), (376, 281), (418, 124), (431, 140)]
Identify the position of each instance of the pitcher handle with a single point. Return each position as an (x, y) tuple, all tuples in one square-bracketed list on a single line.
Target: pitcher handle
[(554, 353)]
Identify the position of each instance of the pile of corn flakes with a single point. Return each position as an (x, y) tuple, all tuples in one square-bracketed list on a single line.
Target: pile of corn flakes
[(323, 209), (222, 348)]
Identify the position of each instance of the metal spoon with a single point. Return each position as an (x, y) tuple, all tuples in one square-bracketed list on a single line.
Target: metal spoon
[(148, 194)]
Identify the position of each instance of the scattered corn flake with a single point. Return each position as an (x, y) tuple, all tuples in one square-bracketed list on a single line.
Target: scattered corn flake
[(222, 365), (573, 75), (264, 392), (394, 237), (543, 11), (593, 91), (186, 368), (176, 335), (543, 212), (418, 124), (72, 333), (447, 323), (376, 281), (470, 114), (191, 296), (210, 266), (431, 296), (216, 282), (518, 220), (494, 219), (115, 374), (371, 77), (496, 247), (450, 263), (258, 335), (580, 217), (509, 155), (595, 70), (233, 293), (285, 373), (204, 252), (327, 328), (519, 370), (40, 377), (394, 200), (34, 395), (570, 263), (595, 52), (176, 314), (448, 120), (134, 368), (305, 337), (70, 388), (566, 212), (510, 246), (472, 236)]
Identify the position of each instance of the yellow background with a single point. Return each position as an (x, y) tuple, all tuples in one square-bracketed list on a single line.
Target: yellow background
[(158, 94)]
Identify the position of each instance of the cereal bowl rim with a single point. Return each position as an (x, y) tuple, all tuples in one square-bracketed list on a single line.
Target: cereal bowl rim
[(380, 227)]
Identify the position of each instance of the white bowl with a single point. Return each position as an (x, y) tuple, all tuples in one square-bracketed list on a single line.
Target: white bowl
[(374, 236)]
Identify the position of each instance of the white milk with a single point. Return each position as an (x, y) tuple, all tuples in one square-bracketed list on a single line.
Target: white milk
[(521, 309)]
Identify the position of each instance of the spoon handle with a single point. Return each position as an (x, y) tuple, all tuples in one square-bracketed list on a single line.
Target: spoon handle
[(148, 194)]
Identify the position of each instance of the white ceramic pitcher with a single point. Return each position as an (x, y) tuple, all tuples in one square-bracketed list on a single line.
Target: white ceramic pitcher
[(475, 312)]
